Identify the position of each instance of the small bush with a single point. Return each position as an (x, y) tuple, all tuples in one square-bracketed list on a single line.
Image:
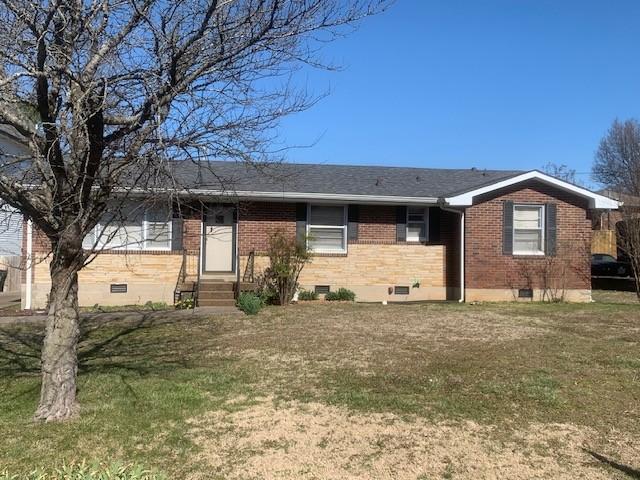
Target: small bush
[(306, 295), (185, 303), (342, 294), (249, 303), (84, 471)]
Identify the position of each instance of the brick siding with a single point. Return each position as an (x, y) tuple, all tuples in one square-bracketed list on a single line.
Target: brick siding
[(258, 220), (487, 267)]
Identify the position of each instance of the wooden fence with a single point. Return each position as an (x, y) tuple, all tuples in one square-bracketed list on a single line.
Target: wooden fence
[(604, 241), (14, 272)]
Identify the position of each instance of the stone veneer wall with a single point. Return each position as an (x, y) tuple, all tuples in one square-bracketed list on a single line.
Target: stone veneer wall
[(149, 277), (371, 270)]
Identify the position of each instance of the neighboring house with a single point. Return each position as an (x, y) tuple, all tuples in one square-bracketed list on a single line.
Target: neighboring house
[(10, 221), (607, 225), (10, 232), (387, 233)]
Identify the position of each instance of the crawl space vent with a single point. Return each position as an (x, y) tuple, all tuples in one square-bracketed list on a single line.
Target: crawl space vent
[(322, 289), (525, 293), (400, 290), (118, 288)]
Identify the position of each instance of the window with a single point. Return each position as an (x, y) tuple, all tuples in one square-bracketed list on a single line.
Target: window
[(528, 229), (327, 228), (132, 229), (157, 230), (417, 224)]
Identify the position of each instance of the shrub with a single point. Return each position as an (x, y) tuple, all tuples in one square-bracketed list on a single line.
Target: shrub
[(249, 303), (342, 294), (85, 471), (287, 257), (305, 295)]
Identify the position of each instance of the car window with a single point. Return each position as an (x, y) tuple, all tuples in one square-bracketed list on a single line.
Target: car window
[(600, 258)]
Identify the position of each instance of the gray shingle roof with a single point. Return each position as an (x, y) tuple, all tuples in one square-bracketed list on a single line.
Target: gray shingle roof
[(335, 179)]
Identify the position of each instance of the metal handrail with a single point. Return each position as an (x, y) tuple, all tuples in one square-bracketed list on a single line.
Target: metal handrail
[(182, 275), (248, 275)]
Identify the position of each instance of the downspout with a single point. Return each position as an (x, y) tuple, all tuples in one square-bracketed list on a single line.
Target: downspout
[(236, 242), (28, 288), (462, 257), (462, 247)]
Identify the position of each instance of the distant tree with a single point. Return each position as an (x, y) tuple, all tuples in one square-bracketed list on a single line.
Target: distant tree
[(617, 167), (561, 171), (617, 160)]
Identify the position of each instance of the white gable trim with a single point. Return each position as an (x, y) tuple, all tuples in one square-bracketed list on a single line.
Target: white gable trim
[(595, 200)]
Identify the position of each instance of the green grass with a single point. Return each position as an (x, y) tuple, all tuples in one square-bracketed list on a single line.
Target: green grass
[(137, 387), (141, 385)]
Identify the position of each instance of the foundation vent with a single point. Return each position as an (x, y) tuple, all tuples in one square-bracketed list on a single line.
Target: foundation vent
[(322, 289), (118, 288), (401, 290), (525, 293)]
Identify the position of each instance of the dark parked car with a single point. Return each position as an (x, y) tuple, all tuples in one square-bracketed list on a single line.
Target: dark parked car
[(603, 265)]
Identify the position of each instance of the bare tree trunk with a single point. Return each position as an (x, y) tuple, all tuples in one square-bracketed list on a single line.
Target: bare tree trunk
[(59, 352)]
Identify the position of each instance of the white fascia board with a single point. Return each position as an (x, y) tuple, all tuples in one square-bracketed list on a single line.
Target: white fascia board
[(315, 197), (232, 195), (595, 200)]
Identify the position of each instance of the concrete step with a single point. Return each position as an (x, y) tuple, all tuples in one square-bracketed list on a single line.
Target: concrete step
[(216, 294), (209, 286), (204, 302)]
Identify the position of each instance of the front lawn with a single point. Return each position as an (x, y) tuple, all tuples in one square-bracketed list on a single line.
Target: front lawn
[(344, 391)]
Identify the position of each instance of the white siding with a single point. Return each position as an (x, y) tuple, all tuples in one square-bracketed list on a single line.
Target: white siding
[(10, 220), (10, 232)]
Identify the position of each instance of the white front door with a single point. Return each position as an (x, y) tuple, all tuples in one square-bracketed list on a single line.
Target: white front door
[(218, 241)]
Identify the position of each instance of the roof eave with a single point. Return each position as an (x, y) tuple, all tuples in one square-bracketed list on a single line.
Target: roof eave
[(318, 197), (596, 200)]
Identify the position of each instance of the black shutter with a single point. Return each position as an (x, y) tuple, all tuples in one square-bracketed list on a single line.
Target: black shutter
[(507, 228), (551, 217), (401, 224), (353, 215), (177, 225), (434, 224), (301, 223)]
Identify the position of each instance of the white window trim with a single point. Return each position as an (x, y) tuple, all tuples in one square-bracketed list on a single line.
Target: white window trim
[(426, 225), (343, 226), (540, 253)]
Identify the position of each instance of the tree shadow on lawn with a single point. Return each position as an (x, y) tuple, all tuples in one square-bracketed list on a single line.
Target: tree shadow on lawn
[(630, 471), (145, 343)]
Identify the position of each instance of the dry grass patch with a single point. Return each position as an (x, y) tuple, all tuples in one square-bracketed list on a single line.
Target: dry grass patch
[(315, 441)]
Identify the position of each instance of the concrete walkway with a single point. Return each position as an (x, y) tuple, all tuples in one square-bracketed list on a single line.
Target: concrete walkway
[(131, 315)]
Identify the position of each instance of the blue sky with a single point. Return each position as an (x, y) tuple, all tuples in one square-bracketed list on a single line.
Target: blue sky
[(466, 83)]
